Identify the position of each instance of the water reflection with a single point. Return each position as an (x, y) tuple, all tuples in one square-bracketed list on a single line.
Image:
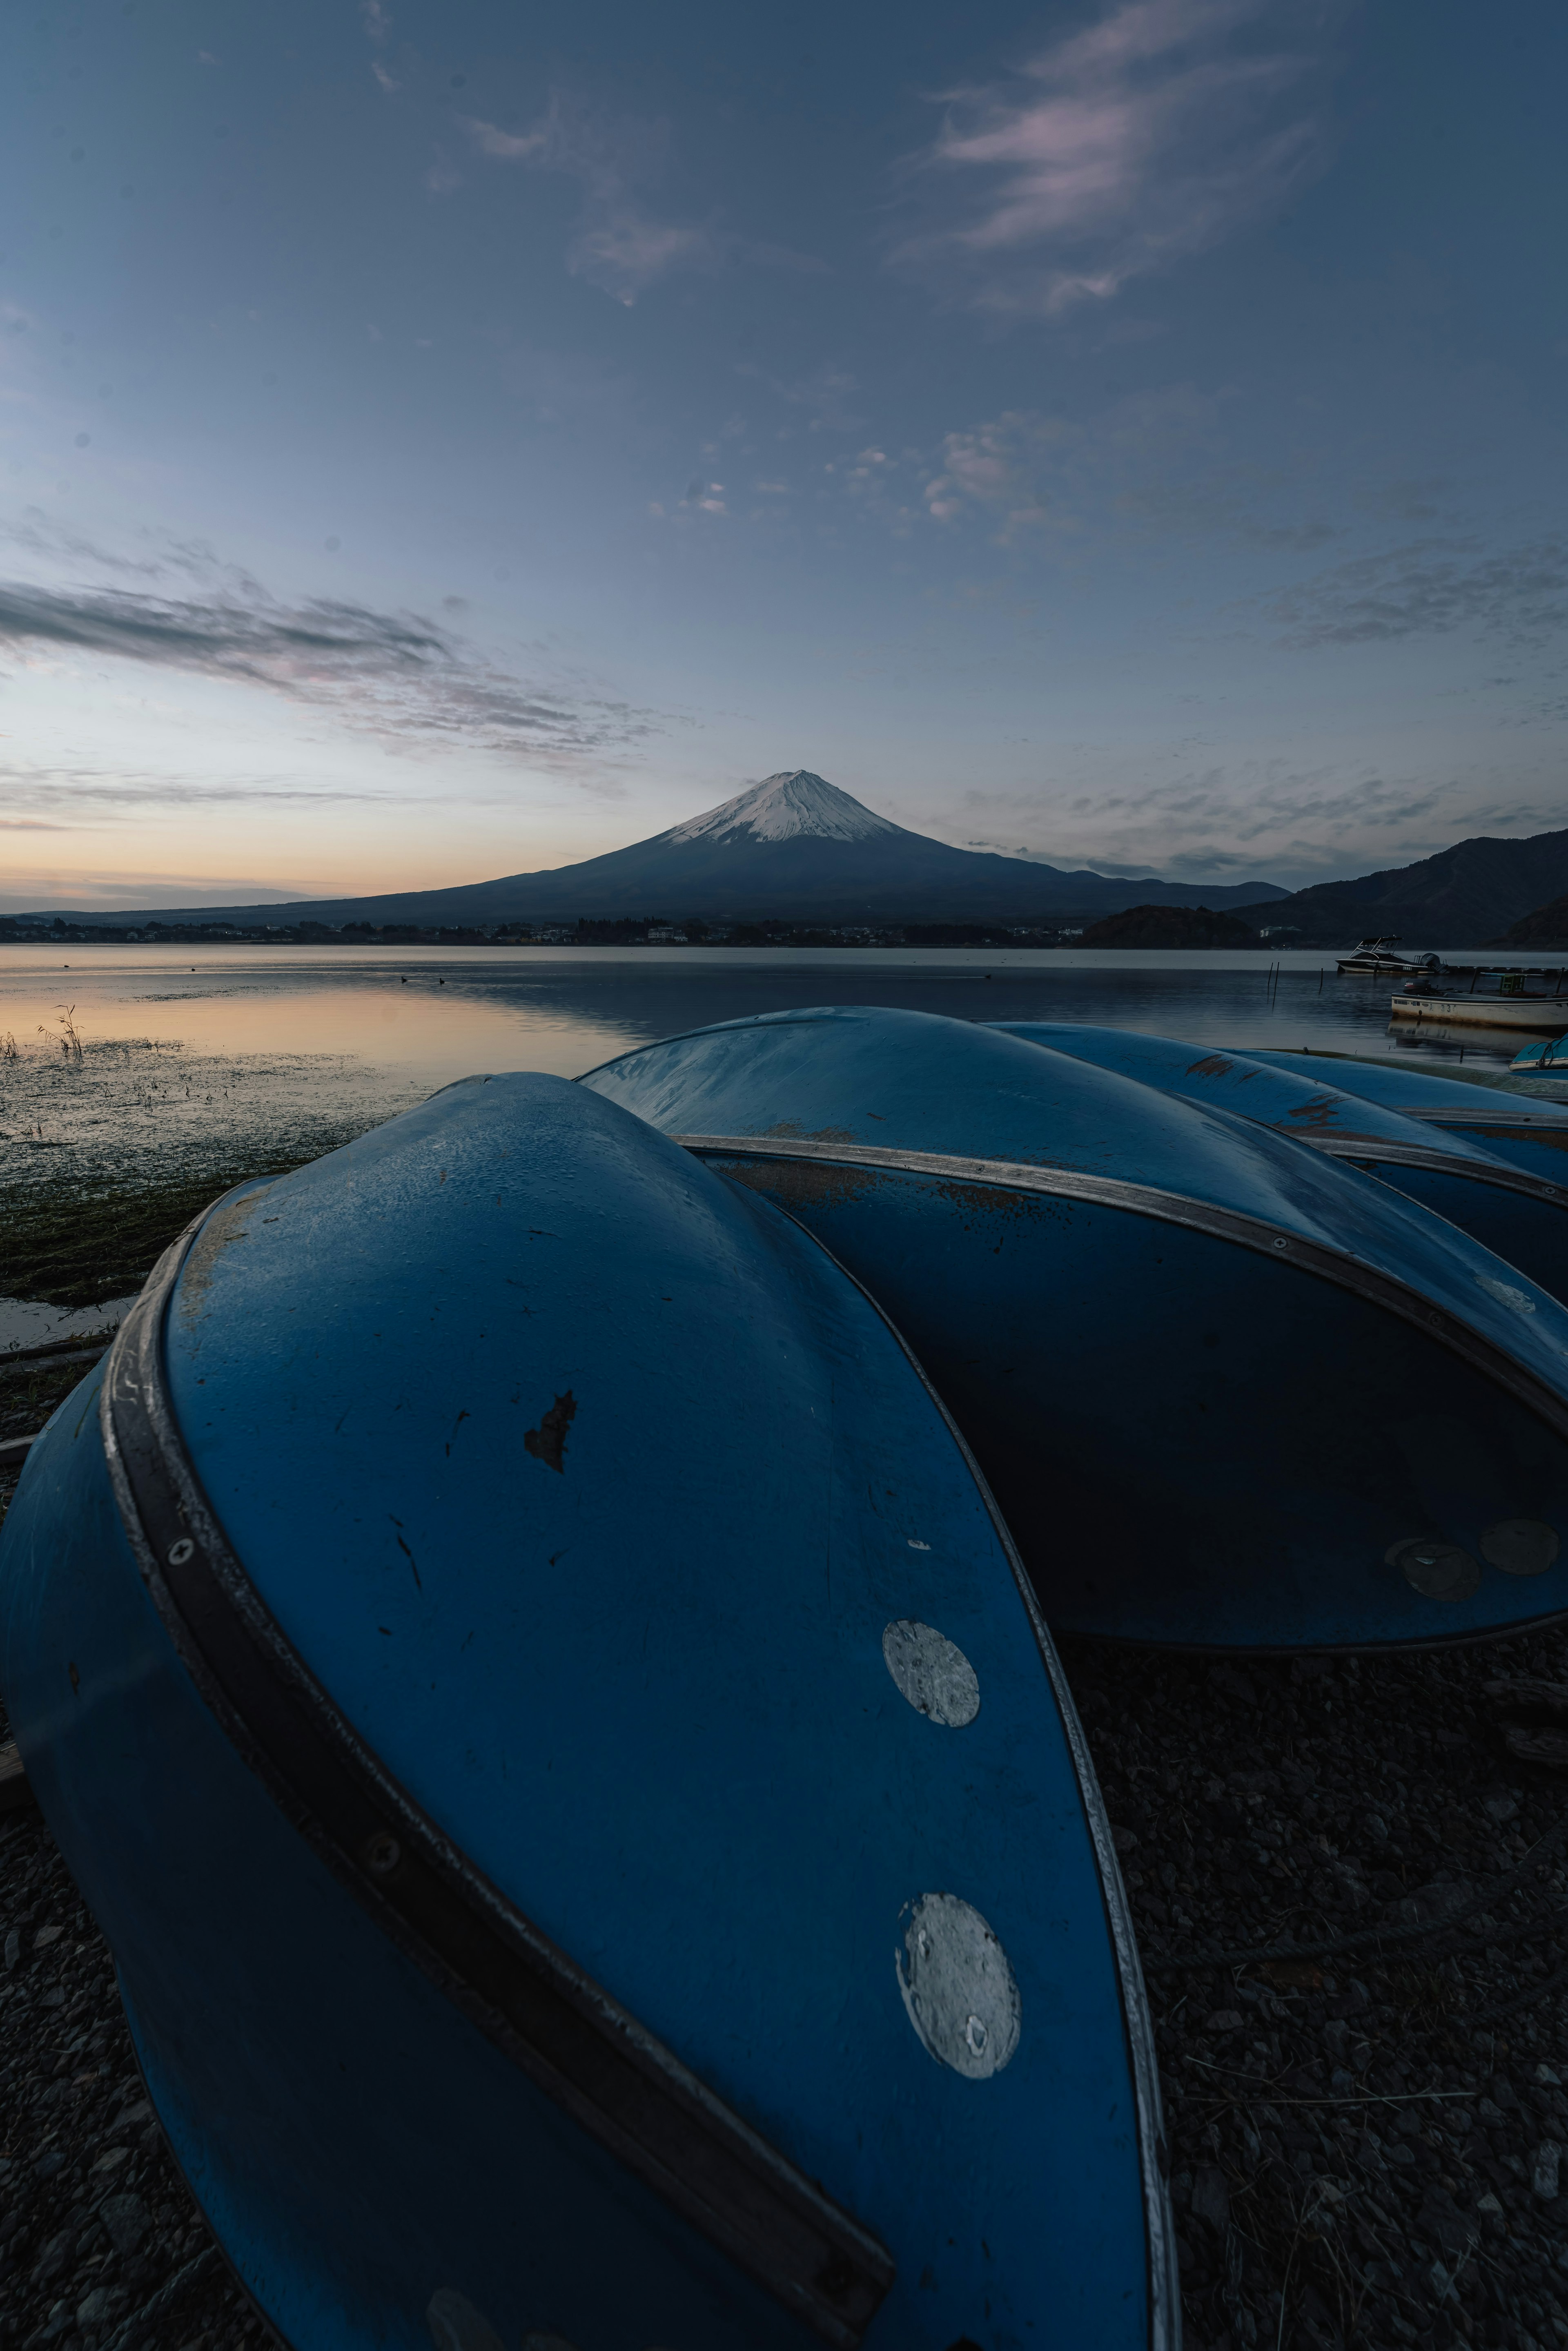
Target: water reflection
[(429, 1016)]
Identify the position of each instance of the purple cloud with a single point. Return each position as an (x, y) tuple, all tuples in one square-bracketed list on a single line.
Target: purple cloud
[(623, 245), (1164, 128), (388, 673)]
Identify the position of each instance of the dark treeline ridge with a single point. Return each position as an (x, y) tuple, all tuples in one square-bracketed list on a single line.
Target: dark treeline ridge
[(652, 930)]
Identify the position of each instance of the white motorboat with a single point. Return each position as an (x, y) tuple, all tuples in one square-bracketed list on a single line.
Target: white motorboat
[(1377, 956)]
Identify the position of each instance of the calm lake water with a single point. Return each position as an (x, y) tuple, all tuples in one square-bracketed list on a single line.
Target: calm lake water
[(428, 1014), (121, 1064)]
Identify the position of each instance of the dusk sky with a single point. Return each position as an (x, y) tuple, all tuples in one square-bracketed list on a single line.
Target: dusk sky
[(440, 442)]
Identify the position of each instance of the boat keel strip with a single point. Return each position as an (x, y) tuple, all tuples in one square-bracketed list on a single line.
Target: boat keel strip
[(1347, 1272), (1372, 1151), (632, 2094), (1484, 1119)]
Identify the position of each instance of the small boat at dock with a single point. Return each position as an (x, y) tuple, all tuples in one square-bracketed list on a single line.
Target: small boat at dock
[(1499, 996), (1377, 956), (1540, 1013)]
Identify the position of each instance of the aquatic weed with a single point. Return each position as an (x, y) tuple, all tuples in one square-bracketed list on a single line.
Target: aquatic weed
[(64, 1245)]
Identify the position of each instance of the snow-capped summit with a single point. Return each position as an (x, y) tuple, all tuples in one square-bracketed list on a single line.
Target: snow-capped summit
[(784, 807)]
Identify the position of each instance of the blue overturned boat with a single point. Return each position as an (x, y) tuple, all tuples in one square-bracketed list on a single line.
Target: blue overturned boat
[(1228, 1392), (1526, 1129), (1515, 1212), (594, 1839), (1542, 1056)]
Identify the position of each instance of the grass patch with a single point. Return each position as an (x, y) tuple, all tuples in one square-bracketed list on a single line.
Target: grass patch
[(68, 1248)]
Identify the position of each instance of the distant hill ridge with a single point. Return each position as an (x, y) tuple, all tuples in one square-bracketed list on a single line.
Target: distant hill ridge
[(1545, 928), (1170, 926), (1462, 897), (794, 847)]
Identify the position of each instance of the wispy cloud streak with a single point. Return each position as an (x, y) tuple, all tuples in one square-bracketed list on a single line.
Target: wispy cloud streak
[(1153, 462), (1430, 587), (623, 244), (394, 675), (71, 798), (1233, 816), (1165, 127)]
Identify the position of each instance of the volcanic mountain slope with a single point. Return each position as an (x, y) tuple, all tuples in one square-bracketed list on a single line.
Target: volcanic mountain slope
[(1460, 898), (1544, 928), (794, 847)]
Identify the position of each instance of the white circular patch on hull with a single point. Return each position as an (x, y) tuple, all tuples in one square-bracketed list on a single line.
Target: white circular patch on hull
[(1437, 1571), (1520, 1546), (957, 1987), (933, 1672)]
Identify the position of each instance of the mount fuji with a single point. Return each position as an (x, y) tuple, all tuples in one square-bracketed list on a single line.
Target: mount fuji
[(794, 847), (793, 805)]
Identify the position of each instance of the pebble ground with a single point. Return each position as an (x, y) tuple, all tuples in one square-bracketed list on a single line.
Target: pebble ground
[(1363, 2152)]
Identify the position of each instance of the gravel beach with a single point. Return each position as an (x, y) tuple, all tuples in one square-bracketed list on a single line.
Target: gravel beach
[(1377, 2134)]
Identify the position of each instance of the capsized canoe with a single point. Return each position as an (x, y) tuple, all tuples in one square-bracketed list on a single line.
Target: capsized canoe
[(1545, 1054), (1525, 1129), (1228, 1393), (588, 1822), (1514, 1212)]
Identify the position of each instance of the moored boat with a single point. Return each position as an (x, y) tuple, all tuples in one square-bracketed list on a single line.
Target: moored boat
[(1472, 1011), (1228, 1393), (1518, 1215), (1376, 955), (592, 1834)]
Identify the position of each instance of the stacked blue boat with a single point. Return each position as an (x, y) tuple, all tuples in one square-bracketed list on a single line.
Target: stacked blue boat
[(536, 1646), (1246, 1364)]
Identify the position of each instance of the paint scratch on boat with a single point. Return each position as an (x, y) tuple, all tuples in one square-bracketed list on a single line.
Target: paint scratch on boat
[(547, 1443)]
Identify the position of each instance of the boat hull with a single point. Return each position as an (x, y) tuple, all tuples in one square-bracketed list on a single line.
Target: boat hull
[(1526, 1130), (635, 1686), (1548, 1053), (1265, 1493), (1520, 1216), (1540, 1015)]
